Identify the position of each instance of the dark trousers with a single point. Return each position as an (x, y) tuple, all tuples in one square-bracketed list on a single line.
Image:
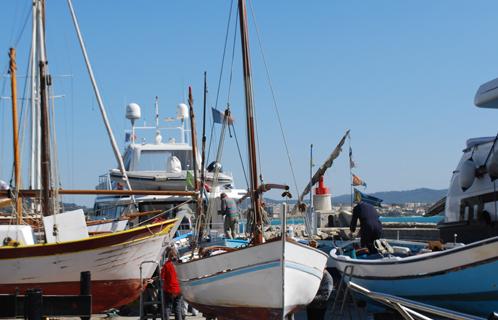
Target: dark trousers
[(368, 238), (315, 314), (173, 304)]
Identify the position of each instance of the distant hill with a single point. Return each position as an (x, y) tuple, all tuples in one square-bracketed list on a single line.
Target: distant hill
[(424, 195)]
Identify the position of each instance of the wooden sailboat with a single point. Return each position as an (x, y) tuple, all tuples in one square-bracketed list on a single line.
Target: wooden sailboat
[(266, 280), (55, 265)]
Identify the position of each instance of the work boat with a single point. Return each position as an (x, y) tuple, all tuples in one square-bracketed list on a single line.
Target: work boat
[(470, 207), (460, 277), (46, 248), (266, 279)]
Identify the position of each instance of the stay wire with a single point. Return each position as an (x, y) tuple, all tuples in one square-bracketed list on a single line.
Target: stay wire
[(21, 32), (240, 156), (275, 106), (221, 75), (232, 62)]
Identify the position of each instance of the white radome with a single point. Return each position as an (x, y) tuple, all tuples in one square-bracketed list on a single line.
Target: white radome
[(182, 111), (133, 111)]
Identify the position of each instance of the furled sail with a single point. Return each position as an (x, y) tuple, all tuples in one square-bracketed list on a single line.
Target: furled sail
[(327, 164)]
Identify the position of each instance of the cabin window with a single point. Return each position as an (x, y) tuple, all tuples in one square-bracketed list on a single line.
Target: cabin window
[(156, 160), (127, 160), (108, 211)]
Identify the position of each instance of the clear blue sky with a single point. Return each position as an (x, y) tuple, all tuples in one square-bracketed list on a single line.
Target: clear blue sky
[(400, 74)]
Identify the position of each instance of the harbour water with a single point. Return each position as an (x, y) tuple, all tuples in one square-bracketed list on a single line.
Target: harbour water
[(400, 219)]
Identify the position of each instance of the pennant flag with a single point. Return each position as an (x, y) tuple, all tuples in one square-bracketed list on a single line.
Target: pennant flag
[(351, 162), (190, 179), (358, 182), (219, 116), (359, 196)]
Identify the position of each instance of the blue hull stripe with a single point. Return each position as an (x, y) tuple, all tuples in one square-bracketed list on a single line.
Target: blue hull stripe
[(255, 268), (303, 268)]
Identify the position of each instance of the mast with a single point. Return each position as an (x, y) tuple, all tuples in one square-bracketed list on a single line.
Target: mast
[(15, 133), (194, 136), (100, 102), (251, 141), (35, 150), (44, 121), (203, 155)]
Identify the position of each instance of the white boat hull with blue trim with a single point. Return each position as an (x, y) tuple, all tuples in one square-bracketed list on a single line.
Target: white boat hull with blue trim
[(250, 283), (463, 278)]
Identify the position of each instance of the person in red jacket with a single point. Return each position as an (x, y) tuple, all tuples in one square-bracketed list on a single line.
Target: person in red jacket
[(171, 287)]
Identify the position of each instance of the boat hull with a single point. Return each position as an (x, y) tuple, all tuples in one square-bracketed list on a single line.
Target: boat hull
[(113, 260), (248, 282), (462, 279)]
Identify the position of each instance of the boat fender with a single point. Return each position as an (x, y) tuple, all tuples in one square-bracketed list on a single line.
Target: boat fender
[(492, 165), (467, 174)]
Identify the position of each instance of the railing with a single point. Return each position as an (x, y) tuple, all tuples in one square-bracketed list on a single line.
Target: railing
[(410, 309)]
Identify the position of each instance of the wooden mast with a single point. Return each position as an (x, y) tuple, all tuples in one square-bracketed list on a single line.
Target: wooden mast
[(193, 133), (15, 132), (44, 120), (251, 141)]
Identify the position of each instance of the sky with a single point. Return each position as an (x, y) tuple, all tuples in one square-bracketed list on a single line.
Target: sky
[(401, 75)]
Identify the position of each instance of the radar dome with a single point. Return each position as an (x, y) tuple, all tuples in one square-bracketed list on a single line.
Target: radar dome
[(182, 111), (133, 111)]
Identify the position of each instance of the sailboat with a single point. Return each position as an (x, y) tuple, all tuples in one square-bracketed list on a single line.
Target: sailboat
[(265, 280), (53, 256)]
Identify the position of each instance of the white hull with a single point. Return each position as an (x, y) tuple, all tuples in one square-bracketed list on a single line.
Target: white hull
[(251, 278), (114, 264)]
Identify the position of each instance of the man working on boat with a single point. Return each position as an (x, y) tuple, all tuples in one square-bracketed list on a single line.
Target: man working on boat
[(171, 287), (371, 227), (230, 211)]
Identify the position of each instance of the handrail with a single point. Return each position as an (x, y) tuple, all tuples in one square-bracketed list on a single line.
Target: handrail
[(406, 306), (36, 193)]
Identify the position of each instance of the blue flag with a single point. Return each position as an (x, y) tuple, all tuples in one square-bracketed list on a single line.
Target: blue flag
[(360, 196), (219, 116)]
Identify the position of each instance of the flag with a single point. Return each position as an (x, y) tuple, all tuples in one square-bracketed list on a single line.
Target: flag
[(351, 162), (219, 116), (190, 179), (358, 182), (127, 136), (359, 196)]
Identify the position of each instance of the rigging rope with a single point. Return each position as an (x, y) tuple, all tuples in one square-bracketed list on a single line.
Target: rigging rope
[(221, 75), (240, 156), (275, 106)]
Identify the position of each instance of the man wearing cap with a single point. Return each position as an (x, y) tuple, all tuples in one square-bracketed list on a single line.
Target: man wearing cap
[(230, 211)]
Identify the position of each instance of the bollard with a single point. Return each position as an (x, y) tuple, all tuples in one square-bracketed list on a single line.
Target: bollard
[(33, 304), (85, 286)]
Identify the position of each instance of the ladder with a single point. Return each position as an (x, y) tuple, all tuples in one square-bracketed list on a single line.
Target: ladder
[(151, 295), (343, 296)]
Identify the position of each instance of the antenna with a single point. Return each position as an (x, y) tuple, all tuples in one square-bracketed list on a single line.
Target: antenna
[(157, 112)]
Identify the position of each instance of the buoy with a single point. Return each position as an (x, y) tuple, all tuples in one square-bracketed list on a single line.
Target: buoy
[(467, 174)]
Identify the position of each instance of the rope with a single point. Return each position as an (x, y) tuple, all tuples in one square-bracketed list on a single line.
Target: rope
[(165, 211), (221, 75), (275, 106), (21, 32), (212, 195), (233, 58), (240, 156)]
